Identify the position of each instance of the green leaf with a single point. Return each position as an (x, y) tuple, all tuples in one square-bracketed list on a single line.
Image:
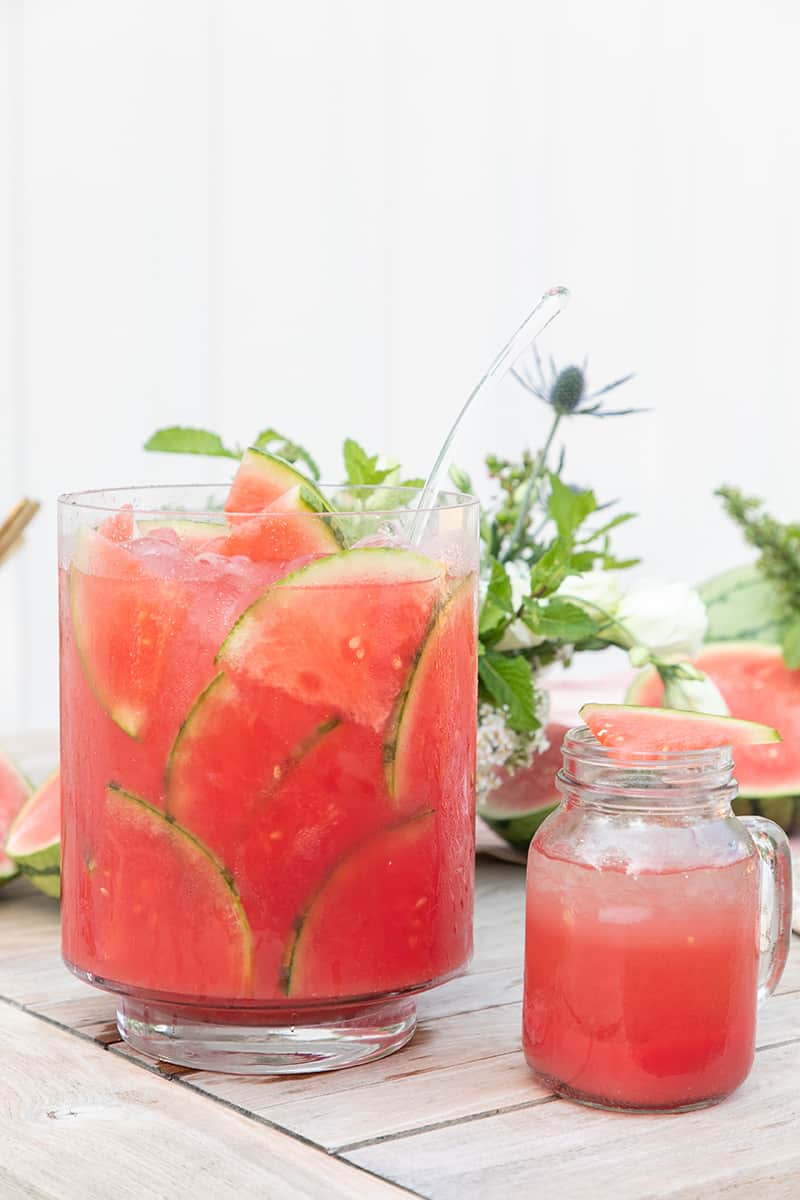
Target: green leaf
[(620, 519), (276, 443), (460, 479), (567, 508), (362, 468), (790, 644), (553, 566), (509, 683), (413, 483), (559, 620), (178, 439)]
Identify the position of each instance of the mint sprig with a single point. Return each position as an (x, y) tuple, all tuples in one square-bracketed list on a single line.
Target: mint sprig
[(180, 439)]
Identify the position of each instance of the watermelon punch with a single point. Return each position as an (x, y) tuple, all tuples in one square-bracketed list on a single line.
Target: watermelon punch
[(268, 707), (657, 921)]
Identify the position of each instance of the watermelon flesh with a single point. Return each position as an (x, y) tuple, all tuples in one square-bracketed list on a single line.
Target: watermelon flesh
[(630, 728), (225, 734), (149, 907), (342, 948), (14, 791), (524, 798), (34, 839), (756, 685)]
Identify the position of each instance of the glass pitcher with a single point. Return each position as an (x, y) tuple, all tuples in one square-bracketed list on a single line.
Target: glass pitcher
[(657, 921)]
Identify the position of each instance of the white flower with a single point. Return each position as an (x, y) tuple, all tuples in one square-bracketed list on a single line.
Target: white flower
[(598, 589), (519, 573), (668, 620), (697, 695), (518, 636)]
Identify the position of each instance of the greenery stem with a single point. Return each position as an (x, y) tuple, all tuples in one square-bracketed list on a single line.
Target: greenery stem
[(521, 523)]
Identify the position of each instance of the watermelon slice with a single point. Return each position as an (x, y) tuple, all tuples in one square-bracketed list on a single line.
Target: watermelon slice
[(262, 478), (639, 730), (289, 529), (14, 791), (280, 794), (34, 839), (154, 906), (368, 929), (342, 632), (192, 532), (124, 618), (430, 750), (756, 685), (516, 808)]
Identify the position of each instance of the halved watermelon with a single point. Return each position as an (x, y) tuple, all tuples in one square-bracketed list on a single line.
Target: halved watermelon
[(263, 477), (342, 632), (743, 606), (14, 791), (152, 907), (34, 839), (280, 794), (756, 685), (369, 927), (639, 730), (517, 807), (290, 528)]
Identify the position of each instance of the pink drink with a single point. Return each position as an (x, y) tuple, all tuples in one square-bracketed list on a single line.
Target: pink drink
[(640, 989)]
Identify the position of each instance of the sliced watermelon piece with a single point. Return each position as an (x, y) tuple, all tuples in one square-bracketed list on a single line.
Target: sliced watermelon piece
[(290, 528), (639, 730), (369, 927), (262, 478), (189, 531), (124, 618), (516, 808), (280, 794), (14, 791), (430, 748), (120, 527), (756, 685), (34, 839), (152, 908), (342, 632)]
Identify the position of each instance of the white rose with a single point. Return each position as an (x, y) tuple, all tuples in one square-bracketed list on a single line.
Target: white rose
[(697, 695), (520, 575), (599, 589), (666, 619)]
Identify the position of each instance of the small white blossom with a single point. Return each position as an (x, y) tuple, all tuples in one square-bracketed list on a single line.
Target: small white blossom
[(502, 749), (696, 695), (668, 620), (598, 589)]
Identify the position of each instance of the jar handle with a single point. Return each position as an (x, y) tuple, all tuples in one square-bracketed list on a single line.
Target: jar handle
[(775, 937)]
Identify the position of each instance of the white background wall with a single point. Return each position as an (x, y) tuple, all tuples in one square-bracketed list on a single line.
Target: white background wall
[(327, 215)]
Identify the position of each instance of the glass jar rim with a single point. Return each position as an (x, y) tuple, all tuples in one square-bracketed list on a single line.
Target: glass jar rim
[(98, 500)]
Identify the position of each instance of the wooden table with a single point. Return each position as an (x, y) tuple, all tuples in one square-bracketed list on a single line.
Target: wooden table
[(454, 1114)]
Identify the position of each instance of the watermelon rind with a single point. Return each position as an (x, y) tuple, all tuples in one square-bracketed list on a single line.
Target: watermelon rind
[(519, 830), (185, 527), (739, 731), (743, 606), (41, 865), (10, 775), (277, 476)]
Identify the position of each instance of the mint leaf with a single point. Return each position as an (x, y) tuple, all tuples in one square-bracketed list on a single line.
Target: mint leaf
[(558, 620), (178, 439), (361, 467), (790, 644), (276, 443), (548, 571), (460, 479), (497, 609), (569, 509), (509, 683)]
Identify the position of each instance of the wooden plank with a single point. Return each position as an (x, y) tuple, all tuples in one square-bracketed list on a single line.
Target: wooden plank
[(748, 1148), (77, 1121)]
